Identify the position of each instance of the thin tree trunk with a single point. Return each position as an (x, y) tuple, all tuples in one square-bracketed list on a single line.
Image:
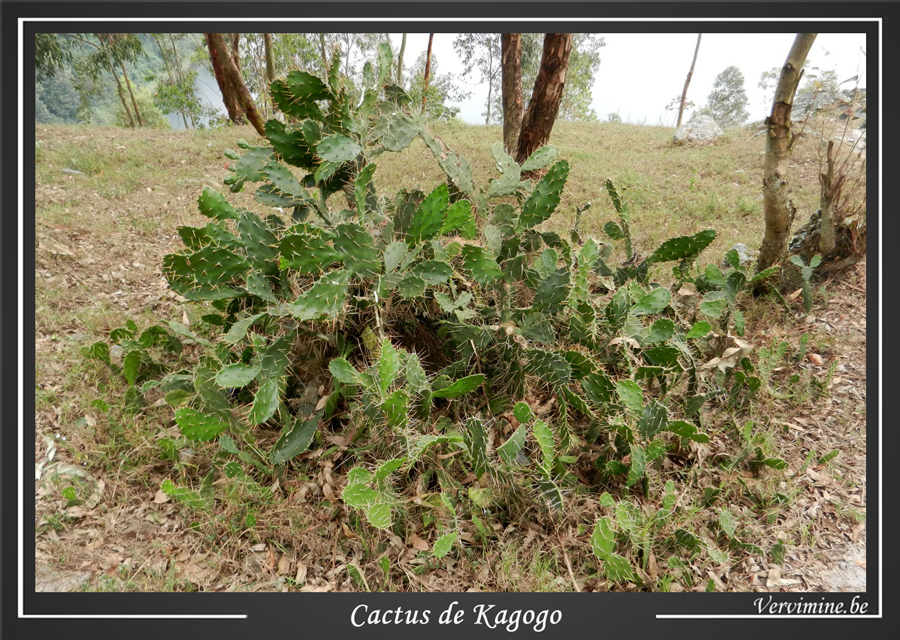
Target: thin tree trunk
[(543, 108), (831, 189), (688, 82), (137, 111), (487, 113), (229, 94), (270, 57), (112, 72), (778, 210), (427, 71), (513, 103), (400, 61), (324, 53)]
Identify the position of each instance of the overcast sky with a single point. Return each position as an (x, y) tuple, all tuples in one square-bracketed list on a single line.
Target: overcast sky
[(640, 73)]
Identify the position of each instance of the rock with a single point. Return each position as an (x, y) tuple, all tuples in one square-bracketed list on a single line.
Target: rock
[(745, 255), (47, 580), (698, 128)]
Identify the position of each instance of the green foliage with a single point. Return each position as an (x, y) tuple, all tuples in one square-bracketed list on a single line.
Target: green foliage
[(806, 272), (425, 346)]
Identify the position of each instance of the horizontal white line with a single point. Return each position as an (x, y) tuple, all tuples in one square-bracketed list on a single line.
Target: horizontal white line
[(138, 616), (470, 19)]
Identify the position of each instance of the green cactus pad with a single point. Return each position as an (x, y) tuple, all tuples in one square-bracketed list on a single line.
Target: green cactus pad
[(429, 218), (237, 375), (325, 297), (483, 268), (283, 180), (511, 450), (683, 247), (543, 201), (198, 426), (355, 246), (550, 366), (295, 440), (260, 243), (265, 402), (307, 254), (337, 148), (290, 145), (460, 387), (540, 158), (652, 303), (411, 286), (460, 219), (433, 271), (396, 407), (214, 205), (654, 418), (552, 292), (399, 131), (394, 254), (631, 395)]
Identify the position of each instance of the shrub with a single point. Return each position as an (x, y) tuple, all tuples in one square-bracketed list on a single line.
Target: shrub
[(439, 321)]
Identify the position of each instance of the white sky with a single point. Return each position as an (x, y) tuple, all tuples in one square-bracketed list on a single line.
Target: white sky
[(640, 73)]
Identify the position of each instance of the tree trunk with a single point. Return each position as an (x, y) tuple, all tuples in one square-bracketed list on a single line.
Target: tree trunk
[(236, 51), (229, 95), (235, 82), (513, 104), (688, 82), (270, 58), (777, 208), (546, 96), (137, 112), (427, 71), (831, 189), (400, 61), (323, 52), (112, 72)]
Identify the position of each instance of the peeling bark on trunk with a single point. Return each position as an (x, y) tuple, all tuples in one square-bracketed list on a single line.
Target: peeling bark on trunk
[(234, 81), (427, 71), (229, 97), (513, 107), (546, 96), (688, 82), (778, 210)]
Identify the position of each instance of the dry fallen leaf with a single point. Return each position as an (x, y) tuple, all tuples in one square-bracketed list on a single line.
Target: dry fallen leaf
[(417, 543), (160, 497), (284, 565), (301, 573)]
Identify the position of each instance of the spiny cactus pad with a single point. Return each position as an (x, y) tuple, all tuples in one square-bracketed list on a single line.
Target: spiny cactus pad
[(325, 297), (543, 201), (683, 247), (199, 426)]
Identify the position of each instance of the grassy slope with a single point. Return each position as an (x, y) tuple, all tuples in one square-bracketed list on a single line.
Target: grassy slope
[(102, 236)]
